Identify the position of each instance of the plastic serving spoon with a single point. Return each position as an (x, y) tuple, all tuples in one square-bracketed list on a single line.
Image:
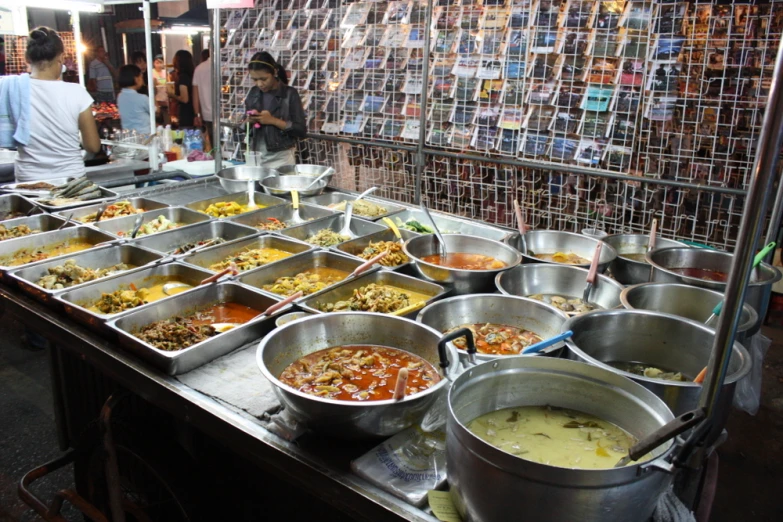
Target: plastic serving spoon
[(231, 269), (393, 227), (546, 343), (295, 217), (653, 235), (521, 227), (224, 327), (346, 230), (327, 172)]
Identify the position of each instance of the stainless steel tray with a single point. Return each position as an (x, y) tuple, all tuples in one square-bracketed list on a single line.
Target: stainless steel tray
[(13, 187), (47, 240), (283, 213), (268, 274), (75, 302), (359, 227), (449, 224), (123, 226), (175, 363), (141, 203), (334, 198), (104, 257), (10, 203), (218, 253), (382, 277), (262, 200), (106, 195), (355, 247), (167, 242), (42, 222)]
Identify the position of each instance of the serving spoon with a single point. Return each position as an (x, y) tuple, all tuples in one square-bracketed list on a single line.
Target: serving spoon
[(327, 172), (101, 210), (295, 217), (251, 194), (521, 227), (394, 229), (231, 269), (346, 230), (224, 327), (137, 226), (67, 220), (592, 274), (443, 251)]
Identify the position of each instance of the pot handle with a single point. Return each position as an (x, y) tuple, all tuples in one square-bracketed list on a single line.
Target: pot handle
[(456, 334)]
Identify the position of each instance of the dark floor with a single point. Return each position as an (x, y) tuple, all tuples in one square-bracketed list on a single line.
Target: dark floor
[(750, 479)]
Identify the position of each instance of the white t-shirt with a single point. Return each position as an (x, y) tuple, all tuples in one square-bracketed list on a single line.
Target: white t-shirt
[(202, 78), (54, 148)]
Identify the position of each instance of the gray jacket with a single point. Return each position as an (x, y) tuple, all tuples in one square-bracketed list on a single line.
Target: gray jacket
[(287, 107)]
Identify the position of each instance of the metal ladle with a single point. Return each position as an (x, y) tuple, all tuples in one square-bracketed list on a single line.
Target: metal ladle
[(224, 327), (67, 220), (327, 172), (443, 251), (137, 226)]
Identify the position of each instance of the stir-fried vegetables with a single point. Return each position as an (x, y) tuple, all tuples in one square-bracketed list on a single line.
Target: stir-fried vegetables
[(121, 300), (250, 259), (362, 207), (175, 334), (327, 237), (69, 274), (17, 231), (118, 209), (371, 298), (223, 209), (271, 224), (395, 257), (497, 339), (308, 282)]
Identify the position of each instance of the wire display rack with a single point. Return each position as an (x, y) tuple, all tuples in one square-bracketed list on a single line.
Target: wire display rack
[(16, 46), (591, 113)]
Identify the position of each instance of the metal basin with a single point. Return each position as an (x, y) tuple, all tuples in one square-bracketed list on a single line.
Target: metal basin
[(665, 341), (335, 223), (629, 271), (169, 241), (690, 302), (122, 227), (284, 185), (331, 199), (761, 280), (17, 206), (313, 171), (282, 213), (551, 241), (140, 203), (235, 179), (263, 201), (40, 222), (463, 281), (488, 484), (540, 318), (343, 419)]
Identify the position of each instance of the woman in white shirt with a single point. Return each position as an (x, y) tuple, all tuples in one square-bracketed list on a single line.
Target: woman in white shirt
[(59, 112)]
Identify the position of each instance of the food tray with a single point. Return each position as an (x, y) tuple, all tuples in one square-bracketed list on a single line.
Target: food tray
[(96, 258), (332, 198), (283, 213), (175, 363), (106, 195), (211, 255), (124, 225), (359, 227), (449, 224), (166, 242), (261, 199), (355, 247), (15, 203), (42, 222), (11, 187), (268, 274), (75, 301), (382, 277), (142, 203), (11, 246)]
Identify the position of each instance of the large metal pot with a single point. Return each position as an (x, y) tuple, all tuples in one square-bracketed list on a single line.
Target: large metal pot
[(690, 302), (488, 484), (463, 281), (235, 179), (664, 341), (629, 271), (312, 171), (342, 419), (284, 185), (551, 241), (566, 281), (540, 318), (759, 288)]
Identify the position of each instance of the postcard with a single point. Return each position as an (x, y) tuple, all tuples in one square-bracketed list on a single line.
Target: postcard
[(283, 20), (447, 18), (441, 111), (353, 101), (577, 13), (543, 66), (634, 47), (299, 20), (353, 80), (397, 13), (534, 144), (565, 121), (373, 104), (515, 69), (618, 157), (632, 72), (461, 136), (508, 142), (442, 66), (490, 69), (396, 59), (520, 17), (513, 92), (439, 135), (376, 13), (602, 71), (494, 18), (283, 40), (490, 91), (374, 82), (373, 127), (463, 113), (602, 44), (415, 38), (395, 36), (354, 59), (667, 48), (544, 41), (637, 15), (669, 18), (516, 43), (467, 43), (484, 138), (623, 128), (471, 17), (412, 106), (466, 66), (353, 123), (563, 149), (375, 58), (607, 15), (487, 116), (354, 37), (539, 118), (511, 118), (395, 105), (589, 152), (626, 99), (394, 82), (444, 40), (594, 124), (547, 13), (465, 89), (572, 68), (411, 130), (491, 41), (355, 15), (664, 77), (418, 13), (414, 84), (660, 108), (572, 42), (597, 98), (373, 35)]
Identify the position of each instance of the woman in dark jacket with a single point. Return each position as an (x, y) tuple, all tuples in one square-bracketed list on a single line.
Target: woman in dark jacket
[(182, 91), (276, 112)]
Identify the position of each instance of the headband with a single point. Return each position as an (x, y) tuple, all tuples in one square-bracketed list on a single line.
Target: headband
[(264, 63)]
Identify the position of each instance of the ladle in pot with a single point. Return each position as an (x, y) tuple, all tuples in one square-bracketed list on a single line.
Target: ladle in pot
[(662, 435), (224, 327), (67, 220), (251, 194), (327, 172), (232, 269), (365, 193), (137, 226), (99, 214), (521, 227), (443, 251), (546, 343), (653, 234), (592, 274), (367, 265)]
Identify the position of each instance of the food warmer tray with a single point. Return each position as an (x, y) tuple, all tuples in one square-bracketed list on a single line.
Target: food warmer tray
[(42, 222), (174, 363), (11, 246), (333, 198), (138, 202), (268, 274), (12, 187), (106, 195), (215, 254), (76, 301), (449, 224), (15, 203), (356, 246), (382, 277), (359, 227), (283, 213), (167, 242), (262, 200), (124, 225), (101, 257)]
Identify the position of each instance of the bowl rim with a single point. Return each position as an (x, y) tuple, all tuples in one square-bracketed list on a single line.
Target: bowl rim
[(322, 184), (517, 255), (777, 275), (538, 266)]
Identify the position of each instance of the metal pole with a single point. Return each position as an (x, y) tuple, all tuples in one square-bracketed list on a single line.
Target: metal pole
[(154, 145), (125, 48), (420, 157), (216, 76), (77, 35)]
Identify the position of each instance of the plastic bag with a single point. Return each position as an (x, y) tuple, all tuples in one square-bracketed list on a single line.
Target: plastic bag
[(747, 396)]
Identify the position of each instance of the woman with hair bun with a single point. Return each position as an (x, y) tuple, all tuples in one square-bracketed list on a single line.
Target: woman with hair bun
[(276, 110)]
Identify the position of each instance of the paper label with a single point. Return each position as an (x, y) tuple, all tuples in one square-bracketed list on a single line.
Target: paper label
[(442, 506)]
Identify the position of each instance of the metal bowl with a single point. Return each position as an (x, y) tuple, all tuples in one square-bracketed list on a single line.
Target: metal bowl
[(235, 179), (690, 302), (551, 241), (540, 318), (665, 341), (289, 318), (567, 281), (463, 281), (313, 171), (284, 185), (629, 271), (343, 419)]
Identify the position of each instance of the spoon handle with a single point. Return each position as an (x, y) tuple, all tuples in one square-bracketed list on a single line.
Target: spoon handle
[(288, 300), (367, 264), (231, 269), (365, 193), (653, 235), (520, 220), (436, 229), (593, 272), (535, 348)]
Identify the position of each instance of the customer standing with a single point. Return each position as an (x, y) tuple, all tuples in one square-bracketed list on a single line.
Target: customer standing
[(139, 59), (51, 114), (101, 77), (161, 76), (134, 107), (202, 97), (278, 109), (182, 90)]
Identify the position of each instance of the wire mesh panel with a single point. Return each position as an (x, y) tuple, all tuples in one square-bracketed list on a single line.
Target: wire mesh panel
[(16, 46)]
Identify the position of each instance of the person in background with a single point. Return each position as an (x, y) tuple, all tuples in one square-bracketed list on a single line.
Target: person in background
[(139, 59), (277, 108), (58, 112), (202, 97), (2, 56), (160, 76), (101, 77), (182, 90), (134, 107)]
